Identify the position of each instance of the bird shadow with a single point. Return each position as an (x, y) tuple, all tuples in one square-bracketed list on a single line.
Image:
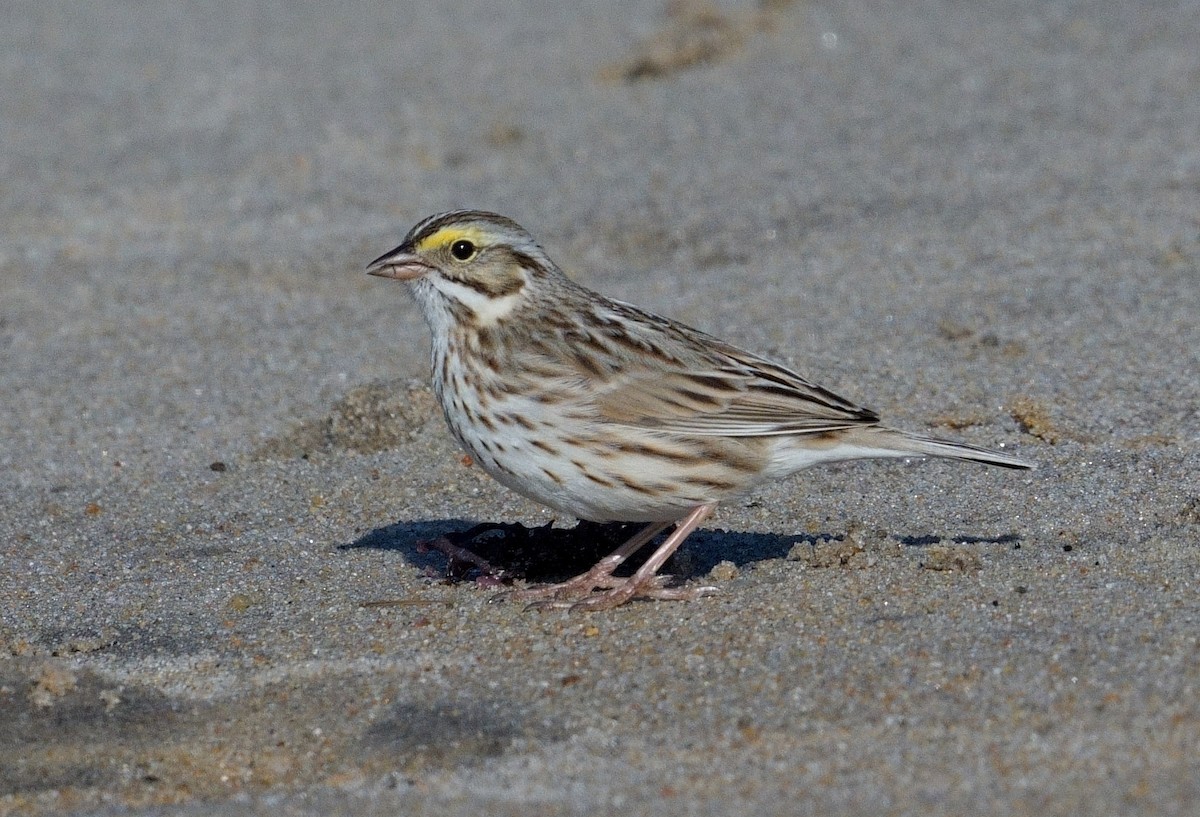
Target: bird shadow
[(497, 553)]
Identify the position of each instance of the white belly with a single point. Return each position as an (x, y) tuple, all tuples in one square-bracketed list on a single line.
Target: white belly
[(535, 457), (556, 450)]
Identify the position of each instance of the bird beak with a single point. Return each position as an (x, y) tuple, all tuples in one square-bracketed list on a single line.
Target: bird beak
[(398, 264)]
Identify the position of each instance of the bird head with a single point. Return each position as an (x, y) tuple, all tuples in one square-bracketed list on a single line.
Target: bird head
[(469, 263)]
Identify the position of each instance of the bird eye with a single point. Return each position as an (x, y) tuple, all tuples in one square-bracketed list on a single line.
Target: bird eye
[(462, 250)]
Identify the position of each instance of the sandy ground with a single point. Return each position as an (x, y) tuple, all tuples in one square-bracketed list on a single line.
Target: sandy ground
[(219, 454)]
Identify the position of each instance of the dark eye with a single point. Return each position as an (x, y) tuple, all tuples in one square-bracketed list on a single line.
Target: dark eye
[(462, 249)]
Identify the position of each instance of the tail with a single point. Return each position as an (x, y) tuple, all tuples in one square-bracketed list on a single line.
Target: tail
[(906, 442)]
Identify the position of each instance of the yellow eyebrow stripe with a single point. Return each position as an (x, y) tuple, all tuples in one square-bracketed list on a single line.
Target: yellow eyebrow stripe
[(447, 236)]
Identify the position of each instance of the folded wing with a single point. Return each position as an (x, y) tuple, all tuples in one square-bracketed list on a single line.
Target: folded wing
[(696, 384)]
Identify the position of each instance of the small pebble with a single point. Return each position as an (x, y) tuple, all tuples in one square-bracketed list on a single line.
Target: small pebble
[(724, 571)]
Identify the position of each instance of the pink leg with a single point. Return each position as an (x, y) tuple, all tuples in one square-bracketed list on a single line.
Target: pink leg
[(599, 576), (645, 583)]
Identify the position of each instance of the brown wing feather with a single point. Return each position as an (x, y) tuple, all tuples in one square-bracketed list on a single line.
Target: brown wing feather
[(667, 376)]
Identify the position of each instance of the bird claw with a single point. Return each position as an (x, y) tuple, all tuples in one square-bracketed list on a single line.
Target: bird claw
[(598, 589)]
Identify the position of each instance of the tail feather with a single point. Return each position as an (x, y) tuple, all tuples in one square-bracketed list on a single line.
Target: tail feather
[(919, 444)]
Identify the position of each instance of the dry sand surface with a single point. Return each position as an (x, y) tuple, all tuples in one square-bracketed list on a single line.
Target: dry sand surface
[(219, 453)]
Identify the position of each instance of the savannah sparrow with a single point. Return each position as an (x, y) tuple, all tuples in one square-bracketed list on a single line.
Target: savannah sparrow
[(606, 412)]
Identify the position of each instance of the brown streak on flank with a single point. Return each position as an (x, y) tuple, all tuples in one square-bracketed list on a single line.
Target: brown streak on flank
[(544, 446), (710, 484), (490, 390), (601, 481), (730, 455), (487, 423), (554, 371), (517, 419), (496, 388), (576, 443), (638, 487), (546, 398), (654, 452), (541, 367), (555, 478)]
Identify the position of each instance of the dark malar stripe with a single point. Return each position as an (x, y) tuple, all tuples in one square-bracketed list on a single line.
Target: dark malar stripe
[(491, 287)]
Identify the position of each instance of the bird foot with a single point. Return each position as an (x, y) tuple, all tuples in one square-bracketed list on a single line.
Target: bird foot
[(461, 560)]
